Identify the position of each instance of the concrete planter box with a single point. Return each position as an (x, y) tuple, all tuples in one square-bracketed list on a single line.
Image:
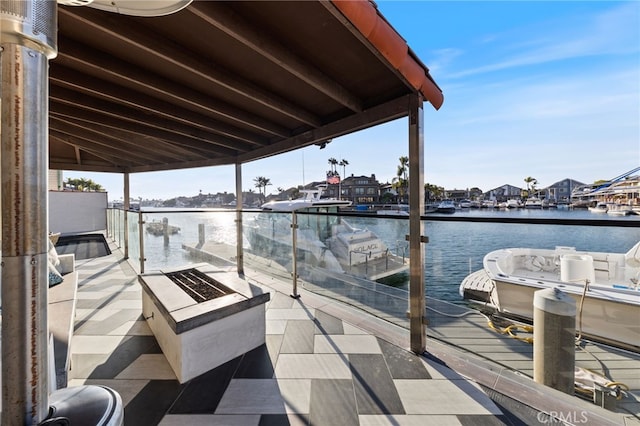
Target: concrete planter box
[(199, 336)]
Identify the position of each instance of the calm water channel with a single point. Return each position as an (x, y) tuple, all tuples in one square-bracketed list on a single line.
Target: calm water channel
[(455, 249)]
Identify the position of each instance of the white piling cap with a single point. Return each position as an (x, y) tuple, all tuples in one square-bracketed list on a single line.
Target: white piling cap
[(554, 301)]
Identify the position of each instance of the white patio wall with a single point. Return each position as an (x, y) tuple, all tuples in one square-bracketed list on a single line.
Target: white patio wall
[(76, 212)]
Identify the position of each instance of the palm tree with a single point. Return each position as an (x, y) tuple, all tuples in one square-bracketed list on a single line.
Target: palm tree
[(432, 192), (333, 163), (531, 184), (403, 167), (344, 163), (82, 184), (400, 183), (261, 183)]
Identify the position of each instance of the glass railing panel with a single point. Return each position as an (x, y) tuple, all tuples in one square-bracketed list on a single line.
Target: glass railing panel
[(329, 266), (120, 228), (133, 230), (457, 249), (110, 223), (193, 236), (268, 243), (113, 229), (360, 260)]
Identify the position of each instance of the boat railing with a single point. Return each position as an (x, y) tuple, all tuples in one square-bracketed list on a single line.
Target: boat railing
[(366, 257), (457, 245)]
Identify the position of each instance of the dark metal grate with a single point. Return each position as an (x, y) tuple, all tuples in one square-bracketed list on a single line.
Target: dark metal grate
[(198, 285)]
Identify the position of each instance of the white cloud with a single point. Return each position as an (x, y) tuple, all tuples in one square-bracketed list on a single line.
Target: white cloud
[(613, 32)]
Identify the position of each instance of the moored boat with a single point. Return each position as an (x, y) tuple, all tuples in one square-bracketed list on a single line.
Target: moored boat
[(513, 204), (533, 203), (604, 286), (600, 207), (446, 206), (325, 242), (615, 209)]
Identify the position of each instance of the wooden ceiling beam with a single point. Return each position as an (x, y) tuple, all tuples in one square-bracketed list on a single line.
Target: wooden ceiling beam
[(223, 18), (228, 136), (84, 138), (77, 55), (129, 32), (164, 140), (183, 133), (383, 113), (131, 140), (111, 156)]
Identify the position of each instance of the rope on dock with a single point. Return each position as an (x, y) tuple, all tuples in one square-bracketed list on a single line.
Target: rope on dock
[(586, 380)]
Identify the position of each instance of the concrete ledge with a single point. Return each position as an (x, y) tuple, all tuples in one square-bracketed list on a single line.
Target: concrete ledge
[(61, 312), (197, 337)]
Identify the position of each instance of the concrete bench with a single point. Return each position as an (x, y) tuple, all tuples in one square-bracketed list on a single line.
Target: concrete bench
[(61, 311)]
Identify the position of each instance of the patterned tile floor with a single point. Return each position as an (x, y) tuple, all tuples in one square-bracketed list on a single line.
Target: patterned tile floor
[(315, 368)]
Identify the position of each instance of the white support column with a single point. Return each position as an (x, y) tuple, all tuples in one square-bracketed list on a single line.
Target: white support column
[(416, 229)]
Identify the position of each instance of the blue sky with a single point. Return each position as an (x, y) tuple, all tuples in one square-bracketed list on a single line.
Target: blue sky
[(546, 89)]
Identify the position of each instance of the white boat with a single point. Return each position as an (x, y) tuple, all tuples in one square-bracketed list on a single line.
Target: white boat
[(615, 209), (600, 207), (533, 203), (514, 204), (604, 286), (446, 206), (324, 240), (464, 204)]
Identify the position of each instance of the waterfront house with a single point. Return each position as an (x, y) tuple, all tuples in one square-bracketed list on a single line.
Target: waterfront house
[(503, 193), (560, 191), (360, 189)]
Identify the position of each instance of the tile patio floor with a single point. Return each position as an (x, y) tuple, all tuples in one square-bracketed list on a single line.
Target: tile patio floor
[(315, 368)]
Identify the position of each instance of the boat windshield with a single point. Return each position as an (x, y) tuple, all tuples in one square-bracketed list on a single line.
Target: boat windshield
[(320, 223)]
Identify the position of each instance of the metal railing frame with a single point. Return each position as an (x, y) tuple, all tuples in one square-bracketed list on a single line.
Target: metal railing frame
[(424, 218)]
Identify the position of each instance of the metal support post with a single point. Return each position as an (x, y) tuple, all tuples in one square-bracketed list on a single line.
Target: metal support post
[(417, 305), (294, 252), (27, 41), (140, 239), (239, 202), (126, 206)]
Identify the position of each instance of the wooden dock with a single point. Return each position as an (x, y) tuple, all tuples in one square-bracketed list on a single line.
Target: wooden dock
[(456, 326)]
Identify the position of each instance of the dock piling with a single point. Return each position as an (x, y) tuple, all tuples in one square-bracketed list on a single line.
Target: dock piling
[(554, 330)]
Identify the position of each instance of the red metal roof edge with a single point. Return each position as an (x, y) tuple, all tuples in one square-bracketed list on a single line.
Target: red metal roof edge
[(364, 15)]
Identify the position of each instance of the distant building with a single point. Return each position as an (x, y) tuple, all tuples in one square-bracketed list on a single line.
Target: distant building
[(559, 191), (503, 193), (367, 190), (463, 194), (388, 193), (357, 189)]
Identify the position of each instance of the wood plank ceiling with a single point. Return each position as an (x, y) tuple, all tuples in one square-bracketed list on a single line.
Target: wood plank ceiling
[(222, 82)]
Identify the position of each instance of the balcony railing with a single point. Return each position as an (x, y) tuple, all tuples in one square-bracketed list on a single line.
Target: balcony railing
[(335, 257)]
